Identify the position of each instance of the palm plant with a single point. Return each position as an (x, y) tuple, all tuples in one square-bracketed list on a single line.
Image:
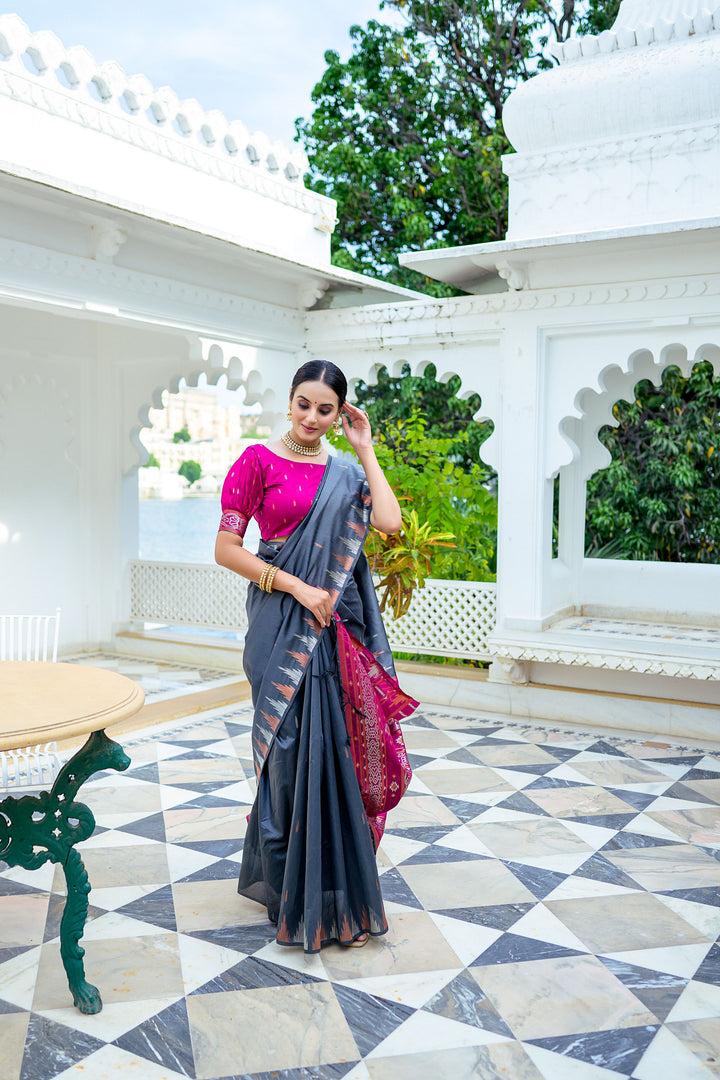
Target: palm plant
[(402, 560)]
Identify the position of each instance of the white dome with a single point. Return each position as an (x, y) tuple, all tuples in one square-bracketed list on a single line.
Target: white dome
[(625, 132), (629, 92)]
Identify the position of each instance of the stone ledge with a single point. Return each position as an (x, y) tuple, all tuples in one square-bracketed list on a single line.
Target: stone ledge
[(677, 651), (200, 651)]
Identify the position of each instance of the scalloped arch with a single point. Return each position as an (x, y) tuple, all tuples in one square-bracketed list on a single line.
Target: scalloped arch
[(489, 395), (593, 407), (218, 361)]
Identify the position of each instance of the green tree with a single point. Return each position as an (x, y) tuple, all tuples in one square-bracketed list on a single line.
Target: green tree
[(407, 133), (191, 470), (660, 497), (398, 398), (152, 462), (183, 435)]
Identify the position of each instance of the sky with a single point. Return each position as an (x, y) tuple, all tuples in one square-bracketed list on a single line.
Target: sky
[(255, 60)]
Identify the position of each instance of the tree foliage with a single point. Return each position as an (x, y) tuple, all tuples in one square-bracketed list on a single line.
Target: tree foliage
[(407, 136), (449, 498), (191, 470), (660, 497), (395, 399), (407, 133), (183, 435), (598, 15)]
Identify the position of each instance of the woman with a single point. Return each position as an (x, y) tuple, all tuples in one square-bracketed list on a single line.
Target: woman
[(327, 747)]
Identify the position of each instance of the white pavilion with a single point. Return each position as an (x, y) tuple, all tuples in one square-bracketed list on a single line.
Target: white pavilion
[(144, 241)]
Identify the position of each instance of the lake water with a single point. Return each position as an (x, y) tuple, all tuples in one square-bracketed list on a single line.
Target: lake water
[(183, 530)]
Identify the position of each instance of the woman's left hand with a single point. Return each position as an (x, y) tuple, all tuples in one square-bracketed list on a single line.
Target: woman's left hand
[(360, 434)]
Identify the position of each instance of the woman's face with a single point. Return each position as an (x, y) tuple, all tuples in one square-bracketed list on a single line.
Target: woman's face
[(313, 407)]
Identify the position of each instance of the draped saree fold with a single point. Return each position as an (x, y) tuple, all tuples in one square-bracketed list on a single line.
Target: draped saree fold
[(327, 747)]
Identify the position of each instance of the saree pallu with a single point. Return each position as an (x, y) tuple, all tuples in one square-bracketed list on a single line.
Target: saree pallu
[(321, 695)]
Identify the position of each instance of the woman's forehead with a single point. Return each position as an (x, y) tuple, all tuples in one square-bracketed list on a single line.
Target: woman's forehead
[(317, 392)]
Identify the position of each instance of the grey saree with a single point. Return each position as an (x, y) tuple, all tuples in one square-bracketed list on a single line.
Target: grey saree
[(309, 851)]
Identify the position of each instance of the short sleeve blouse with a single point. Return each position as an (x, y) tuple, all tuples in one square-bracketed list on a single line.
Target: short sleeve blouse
[(277, 492)]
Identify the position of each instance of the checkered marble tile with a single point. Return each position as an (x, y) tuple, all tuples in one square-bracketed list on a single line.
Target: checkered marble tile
[(159, 680), (552, 899)]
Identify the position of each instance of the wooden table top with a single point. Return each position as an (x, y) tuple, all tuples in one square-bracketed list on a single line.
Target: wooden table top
[(42, 701)]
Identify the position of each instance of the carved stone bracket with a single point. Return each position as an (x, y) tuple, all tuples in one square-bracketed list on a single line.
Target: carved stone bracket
[(311, 292), (515, 275), (107, 241), (506, 670)]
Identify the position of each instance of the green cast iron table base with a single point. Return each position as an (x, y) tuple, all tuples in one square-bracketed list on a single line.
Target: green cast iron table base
[(36, 829)]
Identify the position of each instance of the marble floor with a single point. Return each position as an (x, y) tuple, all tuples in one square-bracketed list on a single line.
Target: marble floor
[(552, 899), (159, 679)]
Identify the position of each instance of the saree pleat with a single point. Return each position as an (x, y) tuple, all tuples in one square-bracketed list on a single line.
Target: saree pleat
[(309, 854), (312, 862)]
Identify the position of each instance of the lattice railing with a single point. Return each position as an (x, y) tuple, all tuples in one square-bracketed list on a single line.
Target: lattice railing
[(446, 618), (187, 594)]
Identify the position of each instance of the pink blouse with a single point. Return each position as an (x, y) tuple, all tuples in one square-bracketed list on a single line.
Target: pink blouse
[(277, 492)]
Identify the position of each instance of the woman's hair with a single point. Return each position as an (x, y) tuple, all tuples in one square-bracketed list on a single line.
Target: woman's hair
[(321, 371)]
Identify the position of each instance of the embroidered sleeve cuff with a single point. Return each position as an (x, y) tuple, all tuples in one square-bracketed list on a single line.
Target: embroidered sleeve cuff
[(233, 522)]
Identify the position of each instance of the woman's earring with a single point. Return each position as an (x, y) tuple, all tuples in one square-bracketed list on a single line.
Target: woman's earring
[(338, 426), (288, 415)]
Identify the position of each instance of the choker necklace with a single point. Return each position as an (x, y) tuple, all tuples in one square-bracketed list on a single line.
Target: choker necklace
[(298, 448)]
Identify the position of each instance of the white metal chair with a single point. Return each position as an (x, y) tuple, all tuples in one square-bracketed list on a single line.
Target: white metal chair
[(29, 637)]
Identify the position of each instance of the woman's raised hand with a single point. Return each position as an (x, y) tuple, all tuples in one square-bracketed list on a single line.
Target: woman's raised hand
[(360, 434), (317, 601)]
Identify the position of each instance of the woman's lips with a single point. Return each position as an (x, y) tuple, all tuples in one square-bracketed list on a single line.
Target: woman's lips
[(310, 431)]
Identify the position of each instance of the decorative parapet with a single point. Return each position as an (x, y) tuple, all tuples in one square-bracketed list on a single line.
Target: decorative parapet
[(97, 132), (76, 75), (639, 23), (446, 618)]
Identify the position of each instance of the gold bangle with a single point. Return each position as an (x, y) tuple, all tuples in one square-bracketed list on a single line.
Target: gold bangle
[(263, 576), (271, 578)]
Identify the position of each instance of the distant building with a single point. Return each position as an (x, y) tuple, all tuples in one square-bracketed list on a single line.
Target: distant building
[(218, 435)]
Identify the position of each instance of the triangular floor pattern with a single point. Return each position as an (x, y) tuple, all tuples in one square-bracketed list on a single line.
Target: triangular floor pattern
[(552, 899)]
